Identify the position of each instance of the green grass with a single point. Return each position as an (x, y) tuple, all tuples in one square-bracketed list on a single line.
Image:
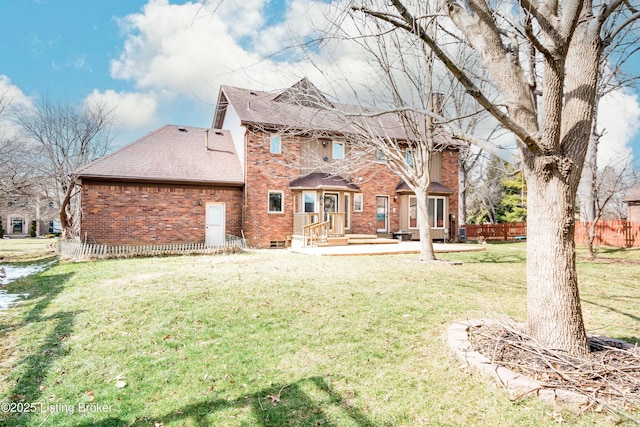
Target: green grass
[(26, 250), (276, 339)]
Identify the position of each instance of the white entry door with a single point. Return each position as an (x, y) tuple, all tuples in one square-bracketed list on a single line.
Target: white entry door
[(382, 214), (216, 225)]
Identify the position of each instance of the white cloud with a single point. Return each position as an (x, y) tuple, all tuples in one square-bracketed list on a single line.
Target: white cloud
[(186, 49), (619, 117), (191, 49), (241, 17), (12, 99), (131, 110)]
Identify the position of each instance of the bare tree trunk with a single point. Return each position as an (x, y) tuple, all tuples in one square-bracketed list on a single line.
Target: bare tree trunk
[(591, 237), (591, 175), (462, 193), (66, 218), (426, 243), (554, 314)]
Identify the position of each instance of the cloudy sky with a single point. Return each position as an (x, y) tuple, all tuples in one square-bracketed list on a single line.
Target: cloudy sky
[(162, 61)]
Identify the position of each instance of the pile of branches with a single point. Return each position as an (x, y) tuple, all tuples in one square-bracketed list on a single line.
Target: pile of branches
[(609, 376)]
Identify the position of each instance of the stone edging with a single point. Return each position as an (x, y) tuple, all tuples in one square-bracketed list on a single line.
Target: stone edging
[(458, 339)]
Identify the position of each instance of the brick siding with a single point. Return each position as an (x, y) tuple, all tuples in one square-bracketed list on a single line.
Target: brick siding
[(121, 213), (377, 180), (266, 171), (450, 169)]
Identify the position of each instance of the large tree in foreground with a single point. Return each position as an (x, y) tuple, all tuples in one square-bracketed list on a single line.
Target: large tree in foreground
[(66, 139), (549, 110)]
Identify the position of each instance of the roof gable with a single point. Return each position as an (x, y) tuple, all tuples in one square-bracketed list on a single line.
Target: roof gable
[(304, 93), (178, 154)]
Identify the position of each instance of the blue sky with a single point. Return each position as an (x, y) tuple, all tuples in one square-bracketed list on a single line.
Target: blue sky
[(162, 61), (62, 48)]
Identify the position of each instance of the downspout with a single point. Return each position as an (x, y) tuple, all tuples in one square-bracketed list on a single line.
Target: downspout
[(244, 187)]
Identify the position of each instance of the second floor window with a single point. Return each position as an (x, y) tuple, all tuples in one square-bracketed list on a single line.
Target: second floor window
[(338, 150), (275, 145), (409, 157)]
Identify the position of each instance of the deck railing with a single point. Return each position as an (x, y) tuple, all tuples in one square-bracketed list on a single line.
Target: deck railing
[(313, 230), (313, 234), (301, 219)]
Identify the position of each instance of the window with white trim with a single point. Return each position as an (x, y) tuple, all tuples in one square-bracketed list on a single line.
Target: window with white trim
[(309, 202), (338, 150), (413, 212), (409, 157), (347, 211), (275, 144), (436, 212), (276, 202), (357, 202)]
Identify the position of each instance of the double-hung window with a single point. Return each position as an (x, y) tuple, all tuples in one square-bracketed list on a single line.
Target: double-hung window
[(276, 202)]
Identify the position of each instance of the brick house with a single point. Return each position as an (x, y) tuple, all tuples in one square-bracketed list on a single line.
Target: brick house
[(175, 185), (288, 144), (19, 212), (270, 166)]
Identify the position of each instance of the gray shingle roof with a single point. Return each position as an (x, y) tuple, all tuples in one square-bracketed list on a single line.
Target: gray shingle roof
[(172, 154), (304, 109), (323, 180), (434, 188)]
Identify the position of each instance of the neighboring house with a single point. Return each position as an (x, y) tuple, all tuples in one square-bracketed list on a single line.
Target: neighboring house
[(271, 167), (18, 214), (633, 204)]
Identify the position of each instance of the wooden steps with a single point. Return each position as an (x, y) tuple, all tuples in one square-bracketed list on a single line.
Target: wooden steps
[(348, 239), (368, 239), (335, 241)]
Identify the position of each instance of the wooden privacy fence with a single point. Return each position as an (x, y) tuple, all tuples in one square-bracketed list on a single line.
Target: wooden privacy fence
[(506, 231), (620, 233), (85, 251)]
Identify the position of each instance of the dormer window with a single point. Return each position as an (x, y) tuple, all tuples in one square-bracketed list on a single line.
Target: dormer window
[(338, 150), (275, 146)]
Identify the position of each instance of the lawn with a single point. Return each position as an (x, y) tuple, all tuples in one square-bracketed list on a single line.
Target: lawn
[(270, 338), (26, 250)]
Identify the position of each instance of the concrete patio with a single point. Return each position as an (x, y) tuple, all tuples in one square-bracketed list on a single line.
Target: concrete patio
[(412, 247)]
